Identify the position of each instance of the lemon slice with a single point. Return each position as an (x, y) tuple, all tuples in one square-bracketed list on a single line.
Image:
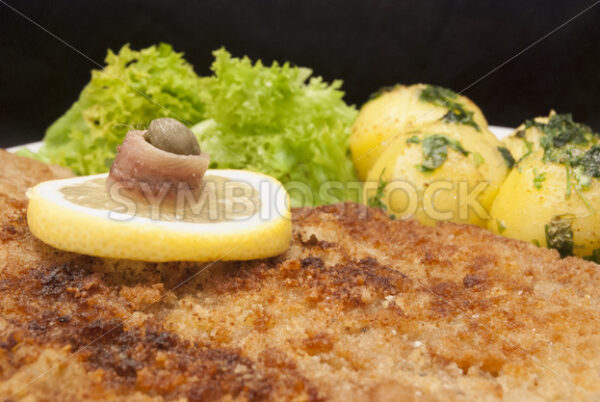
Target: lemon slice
[(243, 215)]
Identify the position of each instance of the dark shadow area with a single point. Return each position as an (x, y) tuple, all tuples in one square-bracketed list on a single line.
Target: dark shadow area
[(367, 44)]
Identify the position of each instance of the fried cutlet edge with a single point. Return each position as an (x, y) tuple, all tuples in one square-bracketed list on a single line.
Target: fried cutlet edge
[(360, 239)]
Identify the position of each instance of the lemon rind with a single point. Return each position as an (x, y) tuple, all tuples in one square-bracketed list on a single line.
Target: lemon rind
[(84, 230)]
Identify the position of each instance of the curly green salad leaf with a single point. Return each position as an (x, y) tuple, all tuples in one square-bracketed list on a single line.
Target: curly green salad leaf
[(280, 121), (134, 88), (273, 119)]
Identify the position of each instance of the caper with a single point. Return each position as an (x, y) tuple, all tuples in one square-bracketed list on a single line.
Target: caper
[(172, 136)]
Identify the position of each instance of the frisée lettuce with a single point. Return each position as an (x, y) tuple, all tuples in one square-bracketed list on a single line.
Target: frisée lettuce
[(277, 119), (280, 121), (133, 88)]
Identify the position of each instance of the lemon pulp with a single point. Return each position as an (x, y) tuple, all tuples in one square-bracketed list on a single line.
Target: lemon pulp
[(222, 199)]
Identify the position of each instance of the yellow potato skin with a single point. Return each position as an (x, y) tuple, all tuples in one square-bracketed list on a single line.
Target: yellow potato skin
[(392, 113), (521, 211), (458, 176)]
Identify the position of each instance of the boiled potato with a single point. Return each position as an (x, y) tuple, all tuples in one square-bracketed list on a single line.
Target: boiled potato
[(438, 172), (526, 138), (404, 107), (552, 132), (539, 203)]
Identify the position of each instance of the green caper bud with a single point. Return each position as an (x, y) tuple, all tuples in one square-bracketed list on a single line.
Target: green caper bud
[(172, 136)]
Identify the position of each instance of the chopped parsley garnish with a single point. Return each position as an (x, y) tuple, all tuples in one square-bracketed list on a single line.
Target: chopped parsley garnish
[(501, 226), (538, 179), (584, 181), (589, 162), (568, 176), (573, 145), (561, 130), (585, 200), (439, 96), (508, 158), (376, 200), (447, 98), (559, 234), (478, 159), (564, 139), (458, 114), (435, 151), (413, 140)]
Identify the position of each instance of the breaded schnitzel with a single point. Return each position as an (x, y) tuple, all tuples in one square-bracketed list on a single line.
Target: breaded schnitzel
[(361, 307)]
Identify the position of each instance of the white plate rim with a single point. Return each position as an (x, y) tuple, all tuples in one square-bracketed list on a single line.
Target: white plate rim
[(32, 146)]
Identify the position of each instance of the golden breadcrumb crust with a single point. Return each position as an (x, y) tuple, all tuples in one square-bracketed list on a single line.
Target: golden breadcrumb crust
[(361, 307)]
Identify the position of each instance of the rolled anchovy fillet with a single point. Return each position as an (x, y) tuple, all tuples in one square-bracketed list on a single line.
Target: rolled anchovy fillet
[(140, 168)]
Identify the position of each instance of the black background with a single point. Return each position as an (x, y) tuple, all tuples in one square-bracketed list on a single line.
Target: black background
[(368, 44)]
